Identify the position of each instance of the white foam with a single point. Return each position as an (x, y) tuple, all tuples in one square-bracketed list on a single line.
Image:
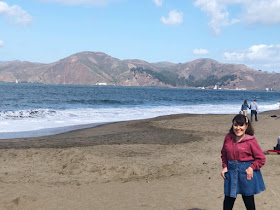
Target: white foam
[(47, 122)]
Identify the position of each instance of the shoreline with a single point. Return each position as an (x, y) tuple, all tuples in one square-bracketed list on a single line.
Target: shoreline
[(64, 130), (47, 131), (163, 162)]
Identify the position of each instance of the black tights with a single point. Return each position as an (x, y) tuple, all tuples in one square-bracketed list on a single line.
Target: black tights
[(249, 202)]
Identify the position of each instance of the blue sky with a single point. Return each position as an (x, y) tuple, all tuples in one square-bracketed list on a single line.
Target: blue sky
[(178, 31)]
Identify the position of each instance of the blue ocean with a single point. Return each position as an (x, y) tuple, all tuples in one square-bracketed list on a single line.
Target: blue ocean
[(31, 110)]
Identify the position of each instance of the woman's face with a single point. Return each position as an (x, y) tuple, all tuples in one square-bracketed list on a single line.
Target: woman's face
[(239, 130)]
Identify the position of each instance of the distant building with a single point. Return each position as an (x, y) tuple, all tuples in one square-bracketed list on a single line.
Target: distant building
[(101, 83)]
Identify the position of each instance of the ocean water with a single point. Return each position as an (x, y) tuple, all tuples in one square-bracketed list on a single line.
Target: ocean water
[(31, 110)]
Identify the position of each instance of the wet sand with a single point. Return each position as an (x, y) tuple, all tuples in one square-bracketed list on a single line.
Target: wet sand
[(169, 162)]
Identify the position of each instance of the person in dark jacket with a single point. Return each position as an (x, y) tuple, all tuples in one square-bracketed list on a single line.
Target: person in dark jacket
[(278, 144), (244, 107)]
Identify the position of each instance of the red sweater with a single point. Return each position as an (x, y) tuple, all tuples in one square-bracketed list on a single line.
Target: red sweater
[(247, 149)]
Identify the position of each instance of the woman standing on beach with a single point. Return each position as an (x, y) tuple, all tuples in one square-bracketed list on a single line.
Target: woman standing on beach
[(244, 107), (242, 159)]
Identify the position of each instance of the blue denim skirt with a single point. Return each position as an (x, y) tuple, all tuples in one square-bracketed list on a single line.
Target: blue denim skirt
[(236, 180)]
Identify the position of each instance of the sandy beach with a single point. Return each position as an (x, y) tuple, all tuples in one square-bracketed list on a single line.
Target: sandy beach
[(168, 162)]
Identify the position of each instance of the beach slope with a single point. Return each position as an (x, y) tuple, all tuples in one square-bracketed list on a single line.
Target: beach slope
[(168, 162)]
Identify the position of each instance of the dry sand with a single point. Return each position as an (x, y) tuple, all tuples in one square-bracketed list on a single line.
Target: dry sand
[(169, 162)]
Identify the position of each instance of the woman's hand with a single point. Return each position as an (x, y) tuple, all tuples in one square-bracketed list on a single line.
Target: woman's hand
[(223, 172), (249, 172)]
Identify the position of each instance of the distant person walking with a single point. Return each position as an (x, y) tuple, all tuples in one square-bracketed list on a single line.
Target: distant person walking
[(254, 109), (244, 107)]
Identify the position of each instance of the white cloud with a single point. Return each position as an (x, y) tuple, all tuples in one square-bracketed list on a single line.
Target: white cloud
[(257, 56), (217, 11), (158, 3), (253, 12), (256, 53), (15, 14), (200, 51), (1, 43), (262, 11), (174, 18), (82, 2)]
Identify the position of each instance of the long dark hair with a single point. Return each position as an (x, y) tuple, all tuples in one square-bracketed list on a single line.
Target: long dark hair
[(245, 103), (241, 119)]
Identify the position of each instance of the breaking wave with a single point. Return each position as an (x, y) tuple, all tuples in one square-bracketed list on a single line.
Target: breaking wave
[(33, 113)]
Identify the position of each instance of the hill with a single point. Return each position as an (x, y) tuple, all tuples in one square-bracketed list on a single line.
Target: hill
[(97, 68)]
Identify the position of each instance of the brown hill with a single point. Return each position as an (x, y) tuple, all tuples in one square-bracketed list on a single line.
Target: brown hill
[(97, 68), (239, 75)]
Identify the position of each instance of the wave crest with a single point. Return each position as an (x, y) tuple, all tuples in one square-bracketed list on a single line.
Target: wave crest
[(33, 113)]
